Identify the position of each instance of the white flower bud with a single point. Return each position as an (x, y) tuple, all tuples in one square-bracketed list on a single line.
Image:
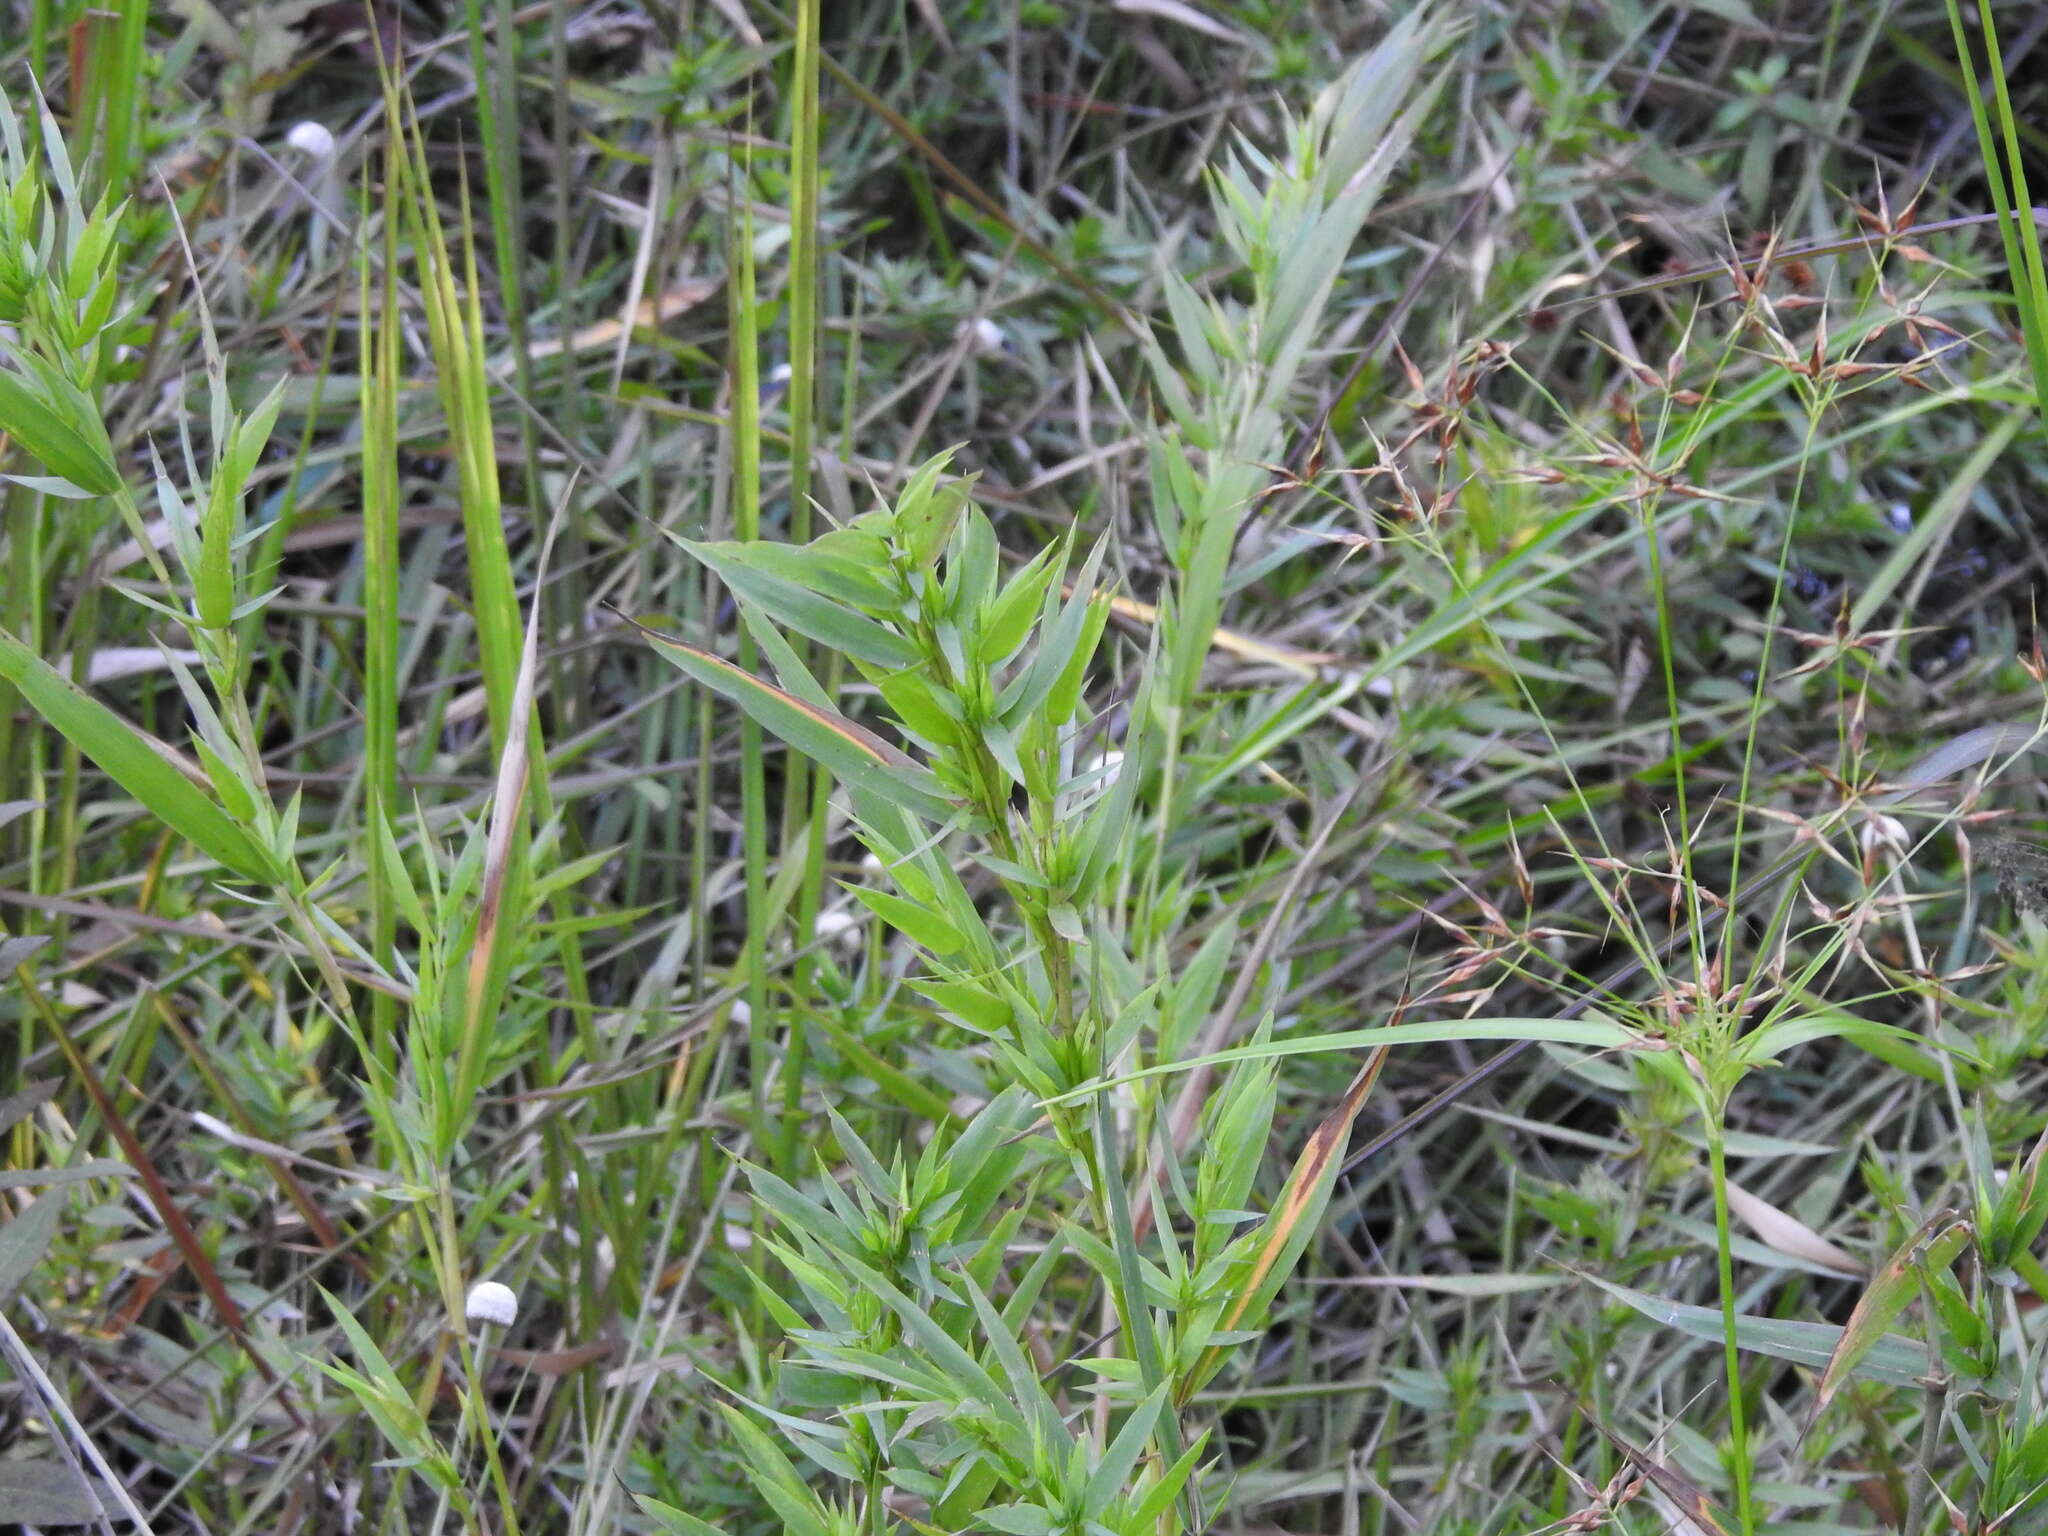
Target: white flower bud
[(986, 337), (742, 1012), (1887, 831), (311, 139), (490, 1302)]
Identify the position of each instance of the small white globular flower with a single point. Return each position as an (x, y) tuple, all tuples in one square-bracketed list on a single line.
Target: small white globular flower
[(311, 139), (742, 1012), (987, 338), (321, 183), (491, 1302), (839, 928), (870, 865)]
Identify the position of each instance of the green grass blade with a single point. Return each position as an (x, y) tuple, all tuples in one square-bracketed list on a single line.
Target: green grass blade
[(126, 757)]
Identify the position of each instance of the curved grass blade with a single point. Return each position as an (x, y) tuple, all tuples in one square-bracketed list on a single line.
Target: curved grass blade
[(1887, 1357), (1599, 1034)]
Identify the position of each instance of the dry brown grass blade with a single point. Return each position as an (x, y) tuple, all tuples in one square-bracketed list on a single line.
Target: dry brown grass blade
[(682, 298), (508, 814), (1309, 664), (1780, 255), (1686, 1496), (1789, 1235)]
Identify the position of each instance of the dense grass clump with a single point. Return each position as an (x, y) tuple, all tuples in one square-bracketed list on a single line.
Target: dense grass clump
[(1025, 767)]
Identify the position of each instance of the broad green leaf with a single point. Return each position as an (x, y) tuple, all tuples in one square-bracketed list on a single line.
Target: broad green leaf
[(1111, 1474), (804, 610), (978, 1009), (1190, 328), (46, 1491), (920, 707), (1153, 1506), (1061, 646), (843, 566), (53, 431), (1017, 1519), (214, 584), (1009, 622), (1065, 696), (858, 757), (24, 1239), (926, 513), (2020, 1211), (128, 759), (922, 924)]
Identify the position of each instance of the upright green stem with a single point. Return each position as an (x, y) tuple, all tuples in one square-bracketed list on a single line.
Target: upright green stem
[(1738, 1418), (746, 481), (477, 1409), (805, 794)]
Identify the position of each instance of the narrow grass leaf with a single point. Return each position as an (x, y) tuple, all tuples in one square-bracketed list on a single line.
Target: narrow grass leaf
[(18, 1106), (1462, 1285), (77, 1173), (861, 759), (1301, 1203), (674, 1521), (1600, 1034), (1888, 1357), (1897, 1283)]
